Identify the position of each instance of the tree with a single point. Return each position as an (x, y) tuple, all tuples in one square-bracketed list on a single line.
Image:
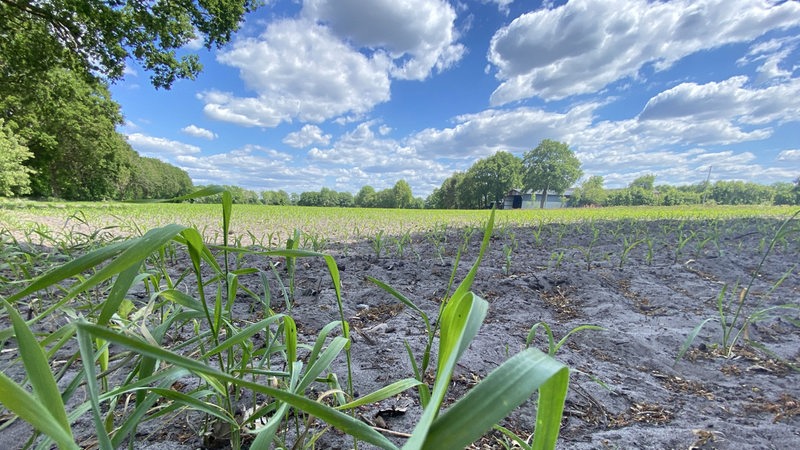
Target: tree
[(590, 193), (645, 182), (98, 36), (402, 195), (14, 175), (491, 178), (69, 124), (551, 166), (366, 197)]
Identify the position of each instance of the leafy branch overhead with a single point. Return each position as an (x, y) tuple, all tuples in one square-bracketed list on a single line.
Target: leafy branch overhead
[(100, 35)]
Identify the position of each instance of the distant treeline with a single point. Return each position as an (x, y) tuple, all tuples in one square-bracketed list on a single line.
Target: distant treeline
[(398, 196), (643, 191)]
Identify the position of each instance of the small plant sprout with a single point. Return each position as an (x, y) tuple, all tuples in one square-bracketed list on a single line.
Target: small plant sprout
[(735, 314)]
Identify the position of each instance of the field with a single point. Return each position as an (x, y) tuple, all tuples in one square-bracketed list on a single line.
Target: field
[(680, 327)]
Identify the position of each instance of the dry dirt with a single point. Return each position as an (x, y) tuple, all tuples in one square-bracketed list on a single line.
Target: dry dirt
[(627, 391)]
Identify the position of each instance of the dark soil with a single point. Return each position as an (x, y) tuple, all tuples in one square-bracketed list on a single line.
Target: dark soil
[(627, 390)]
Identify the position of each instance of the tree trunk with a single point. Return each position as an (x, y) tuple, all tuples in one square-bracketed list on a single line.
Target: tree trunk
[(544, 197)]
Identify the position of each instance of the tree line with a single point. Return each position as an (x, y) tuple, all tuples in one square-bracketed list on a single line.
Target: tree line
[(398, 196), (643, 192)]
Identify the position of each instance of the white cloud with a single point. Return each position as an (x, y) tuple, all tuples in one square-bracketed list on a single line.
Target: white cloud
[(789, 155), (419, 34), (502, 5), (299, 71), (773, 56), (584, 45), (194, 44), (194, 130), (156, 146), (378, 159), (309, 134), (251, 167), (517, 130), (730, 100)]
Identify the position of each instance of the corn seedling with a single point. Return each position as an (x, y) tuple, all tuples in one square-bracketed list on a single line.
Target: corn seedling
[(735, 314), (378, 243)]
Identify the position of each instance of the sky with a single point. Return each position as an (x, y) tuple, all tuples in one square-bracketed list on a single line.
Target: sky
[(347, 93)]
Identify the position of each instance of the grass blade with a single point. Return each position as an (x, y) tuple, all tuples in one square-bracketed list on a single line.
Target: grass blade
[(38, 369), (505, 388)]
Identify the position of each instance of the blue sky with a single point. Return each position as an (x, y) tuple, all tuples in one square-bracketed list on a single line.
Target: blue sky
[(347, 93)]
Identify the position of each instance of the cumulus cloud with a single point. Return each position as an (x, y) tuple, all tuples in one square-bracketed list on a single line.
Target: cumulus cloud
[(299, 70), (251, 167), (516, 130), (156, 146), (585, 45), (308, 135), (789, 155), (378, 158), (194, 130), (731, 100), (417, 35)]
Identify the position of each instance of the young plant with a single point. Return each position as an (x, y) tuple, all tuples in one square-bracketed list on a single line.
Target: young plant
[(627, 246), (496, 395), (736, 314), (378, 243)]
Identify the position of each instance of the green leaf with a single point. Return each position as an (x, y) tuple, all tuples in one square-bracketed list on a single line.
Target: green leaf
[(31, 410), (88, 357), (461, 320), (339, 420), (38, 369), (504, 389), (383, 393)]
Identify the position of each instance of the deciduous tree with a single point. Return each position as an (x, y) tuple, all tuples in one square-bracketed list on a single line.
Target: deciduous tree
[(14, 174), (98, 36), (551, 166)]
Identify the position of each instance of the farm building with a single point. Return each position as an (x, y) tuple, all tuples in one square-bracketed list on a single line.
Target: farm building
[(516, 199)]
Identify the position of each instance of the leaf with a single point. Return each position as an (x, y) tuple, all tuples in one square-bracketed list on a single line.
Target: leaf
[(505, 388), (38, 370), (325, 413)]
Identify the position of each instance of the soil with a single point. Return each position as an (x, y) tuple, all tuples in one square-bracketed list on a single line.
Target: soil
[(627, 390)]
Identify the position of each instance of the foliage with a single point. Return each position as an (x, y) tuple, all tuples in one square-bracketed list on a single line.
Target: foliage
[(590, 193), (275, 197), (217, 370), (151, 178), (490, 179), (69, 123), (98, 37), (551, 166), (736, 312), (14, 175)]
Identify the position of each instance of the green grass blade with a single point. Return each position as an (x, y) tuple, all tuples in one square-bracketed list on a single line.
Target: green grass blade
[(690, 338), (121, 287), (461, 319), (87, 355), (31, 410), (505, 388), (243, 335), (337, 419), (38, 369), (72, 268), (398, 295), (466, 283), (383, 393)]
